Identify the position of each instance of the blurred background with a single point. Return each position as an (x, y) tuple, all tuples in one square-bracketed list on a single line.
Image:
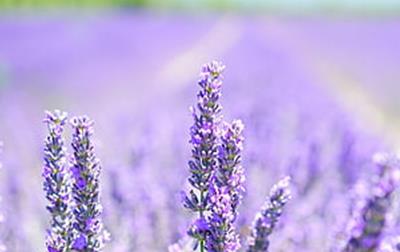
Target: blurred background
[(316, 83)]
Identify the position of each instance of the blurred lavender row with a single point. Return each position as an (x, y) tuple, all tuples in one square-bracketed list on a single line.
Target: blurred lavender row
[(138, 90)]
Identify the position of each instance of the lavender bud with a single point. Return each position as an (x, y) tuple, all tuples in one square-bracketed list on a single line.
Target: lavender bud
[(266, 220), (369, 215), (57, 184), (88, 224)]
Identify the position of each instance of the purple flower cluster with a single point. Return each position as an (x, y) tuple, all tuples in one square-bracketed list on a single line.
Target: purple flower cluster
[(370, 214), (221, 232), (267, 218), (230, 173), (146, 213), (226, 190), (204, 139), (295, 125), (218, 176), (86, 189), (72, 189), (57, 184)]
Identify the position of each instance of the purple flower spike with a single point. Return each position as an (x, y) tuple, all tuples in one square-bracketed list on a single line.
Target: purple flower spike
[(266, 220), (204, 140), (86, 189), (230, 172), (369, 215), (226, 190), (57, 184), (222, 235)]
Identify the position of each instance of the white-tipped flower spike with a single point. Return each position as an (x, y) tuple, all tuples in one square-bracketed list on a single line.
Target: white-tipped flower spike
[(88, 224), (230, 172), (267, 218), (57, 184), (226, 190), (204, 139)]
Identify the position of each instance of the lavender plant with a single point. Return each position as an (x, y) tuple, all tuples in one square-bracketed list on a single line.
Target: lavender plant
[(369, 215), (267, 218), (226, 190), (57, 184), (221, 232), (230, 173), (204, 140), (91, 235)]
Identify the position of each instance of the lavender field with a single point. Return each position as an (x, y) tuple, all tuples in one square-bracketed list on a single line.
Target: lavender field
[(310, 166)]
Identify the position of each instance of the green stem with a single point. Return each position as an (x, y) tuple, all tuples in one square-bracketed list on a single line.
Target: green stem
[(201, 216), (202, 246)]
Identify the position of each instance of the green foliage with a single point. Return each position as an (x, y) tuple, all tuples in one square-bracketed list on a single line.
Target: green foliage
[(272, 6)]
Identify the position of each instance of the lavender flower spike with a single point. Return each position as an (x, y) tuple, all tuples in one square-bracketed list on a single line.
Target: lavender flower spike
[(226, 191), (266, 220), (204, 140), (91, 235), (222, 236), (369, 216), (57, 184), (230, 172)]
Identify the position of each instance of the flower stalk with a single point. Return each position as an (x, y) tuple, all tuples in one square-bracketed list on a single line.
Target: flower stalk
[(267, 218), (86, 168), (57, 184)]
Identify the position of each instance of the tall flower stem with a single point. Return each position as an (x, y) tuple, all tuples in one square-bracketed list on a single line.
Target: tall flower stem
[(57, 184), (226, 190), (269, 215), (86, 189), (204, 139), (202, 241)]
